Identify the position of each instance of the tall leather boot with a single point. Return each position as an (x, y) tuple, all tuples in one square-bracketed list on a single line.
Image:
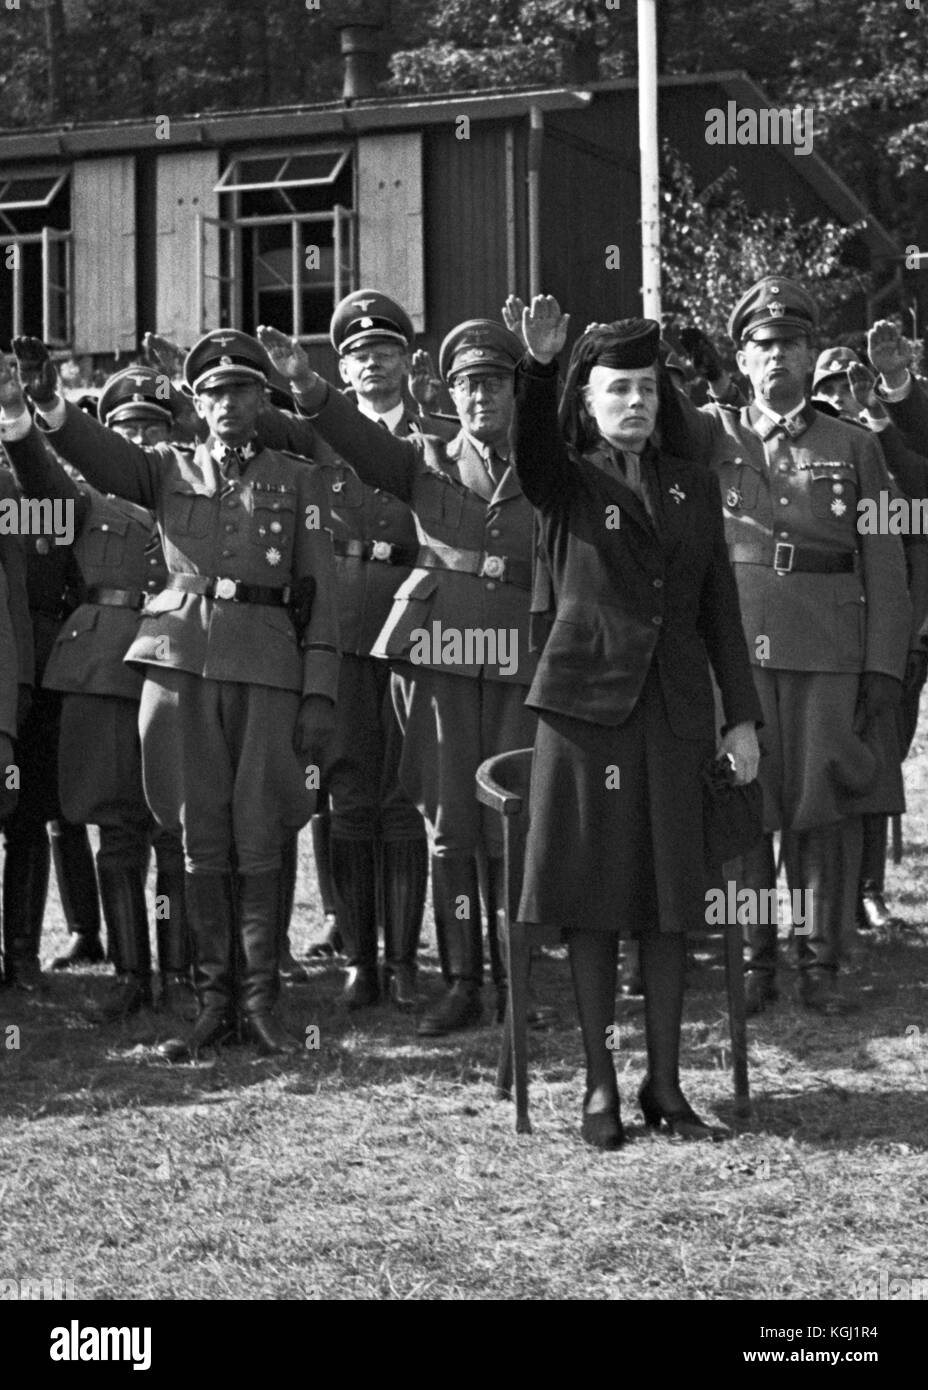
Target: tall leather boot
[(211, 913), (175, 947), (456, 901), (759, 873), (291, 971), (872, 912), (258, 912), (25, 889), (815, 863), (405, 872), (80, 899), (353, 869), (122, 893), (331, 944)]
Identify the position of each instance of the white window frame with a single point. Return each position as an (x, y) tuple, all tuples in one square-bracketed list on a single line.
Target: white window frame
[(233, 228), (52, 322)]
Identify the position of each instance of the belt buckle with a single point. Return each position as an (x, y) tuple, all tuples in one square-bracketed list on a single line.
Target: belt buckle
[(382, 550), (781, 566), (226, 588), (494, 567)]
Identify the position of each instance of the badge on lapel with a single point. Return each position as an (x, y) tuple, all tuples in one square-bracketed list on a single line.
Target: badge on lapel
[(733, 499), (677, 493)]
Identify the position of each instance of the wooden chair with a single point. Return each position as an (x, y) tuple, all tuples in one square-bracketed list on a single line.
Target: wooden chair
[(503, 786)]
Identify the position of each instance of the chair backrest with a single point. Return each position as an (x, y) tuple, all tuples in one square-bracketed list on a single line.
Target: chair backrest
[(503, 782)]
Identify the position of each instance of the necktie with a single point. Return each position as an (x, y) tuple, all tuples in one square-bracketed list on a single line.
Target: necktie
[(496, 466)]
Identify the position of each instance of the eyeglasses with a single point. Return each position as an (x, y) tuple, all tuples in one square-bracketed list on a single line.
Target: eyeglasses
[(470, 385)]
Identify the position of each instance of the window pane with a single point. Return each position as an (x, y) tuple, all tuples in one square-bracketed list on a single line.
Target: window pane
[(33, 192)]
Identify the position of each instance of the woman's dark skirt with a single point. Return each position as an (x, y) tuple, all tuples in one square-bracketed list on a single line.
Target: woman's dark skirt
[(615, 840)]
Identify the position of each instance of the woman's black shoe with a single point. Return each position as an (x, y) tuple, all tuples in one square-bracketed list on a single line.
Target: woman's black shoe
[(683, 1122), (602, 1128)]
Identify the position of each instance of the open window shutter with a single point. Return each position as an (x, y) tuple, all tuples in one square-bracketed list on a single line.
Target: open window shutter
[(390, 213), (103, 220), (185, 184)]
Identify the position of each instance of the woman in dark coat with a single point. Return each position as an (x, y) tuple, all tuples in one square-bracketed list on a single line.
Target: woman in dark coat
[(644, 601)]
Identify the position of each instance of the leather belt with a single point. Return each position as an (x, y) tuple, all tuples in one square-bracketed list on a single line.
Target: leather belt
[(786, 558), (234, 590), (498, 567), (114, 598), (383, 551)]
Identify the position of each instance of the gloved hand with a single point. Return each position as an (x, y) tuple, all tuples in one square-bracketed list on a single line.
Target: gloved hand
[(37, 371), (877, 694), (701, 352), (315, 724)]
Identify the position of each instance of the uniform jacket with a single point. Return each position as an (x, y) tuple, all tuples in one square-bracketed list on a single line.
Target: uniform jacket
[(455, 507), (361, 514), (804, 491), (633, 594), (116, 547), (15, 554), (255, 528), (9, 664)]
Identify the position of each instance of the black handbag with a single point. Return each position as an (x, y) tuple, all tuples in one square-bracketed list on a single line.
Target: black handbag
[(732, 817)]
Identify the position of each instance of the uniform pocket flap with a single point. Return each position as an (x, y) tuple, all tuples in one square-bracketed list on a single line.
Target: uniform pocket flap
[(80, 622), (187, 488), (117, 524)]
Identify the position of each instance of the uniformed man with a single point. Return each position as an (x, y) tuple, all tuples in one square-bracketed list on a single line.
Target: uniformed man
[(458, 629), (9, 702), (240, 655), (825, 611), (41, 577), (378, 850), (842, 385), (120, 561)]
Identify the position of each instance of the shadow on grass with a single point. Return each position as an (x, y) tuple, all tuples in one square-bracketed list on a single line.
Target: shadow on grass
[(66, 1066)]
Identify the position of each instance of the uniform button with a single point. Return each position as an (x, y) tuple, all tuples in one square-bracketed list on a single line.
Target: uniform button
[(784, 501), (658, 583), (381, 523), (657, 620), (104, 527), (495, 532), (784, 467), (153, 560), (232, 501), (230, 525), (784, 535), (226, 554), (490, 584)]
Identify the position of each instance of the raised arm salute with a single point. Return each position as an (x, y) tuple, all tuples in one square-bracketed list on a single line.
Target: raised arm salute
[(240, 654), (458, 629), (633, 540)]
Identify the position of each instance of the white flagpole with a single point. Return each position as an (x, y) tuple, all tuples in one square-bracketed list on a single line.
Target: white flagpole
[(648, 145)]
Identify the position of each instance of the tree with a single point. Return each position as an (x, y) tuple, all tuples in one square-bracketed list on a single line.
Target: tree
[(713, 248)]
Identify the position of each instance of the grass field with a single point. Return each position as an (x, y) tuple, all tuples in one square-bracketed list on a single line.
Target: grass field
[(382, 1166)]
